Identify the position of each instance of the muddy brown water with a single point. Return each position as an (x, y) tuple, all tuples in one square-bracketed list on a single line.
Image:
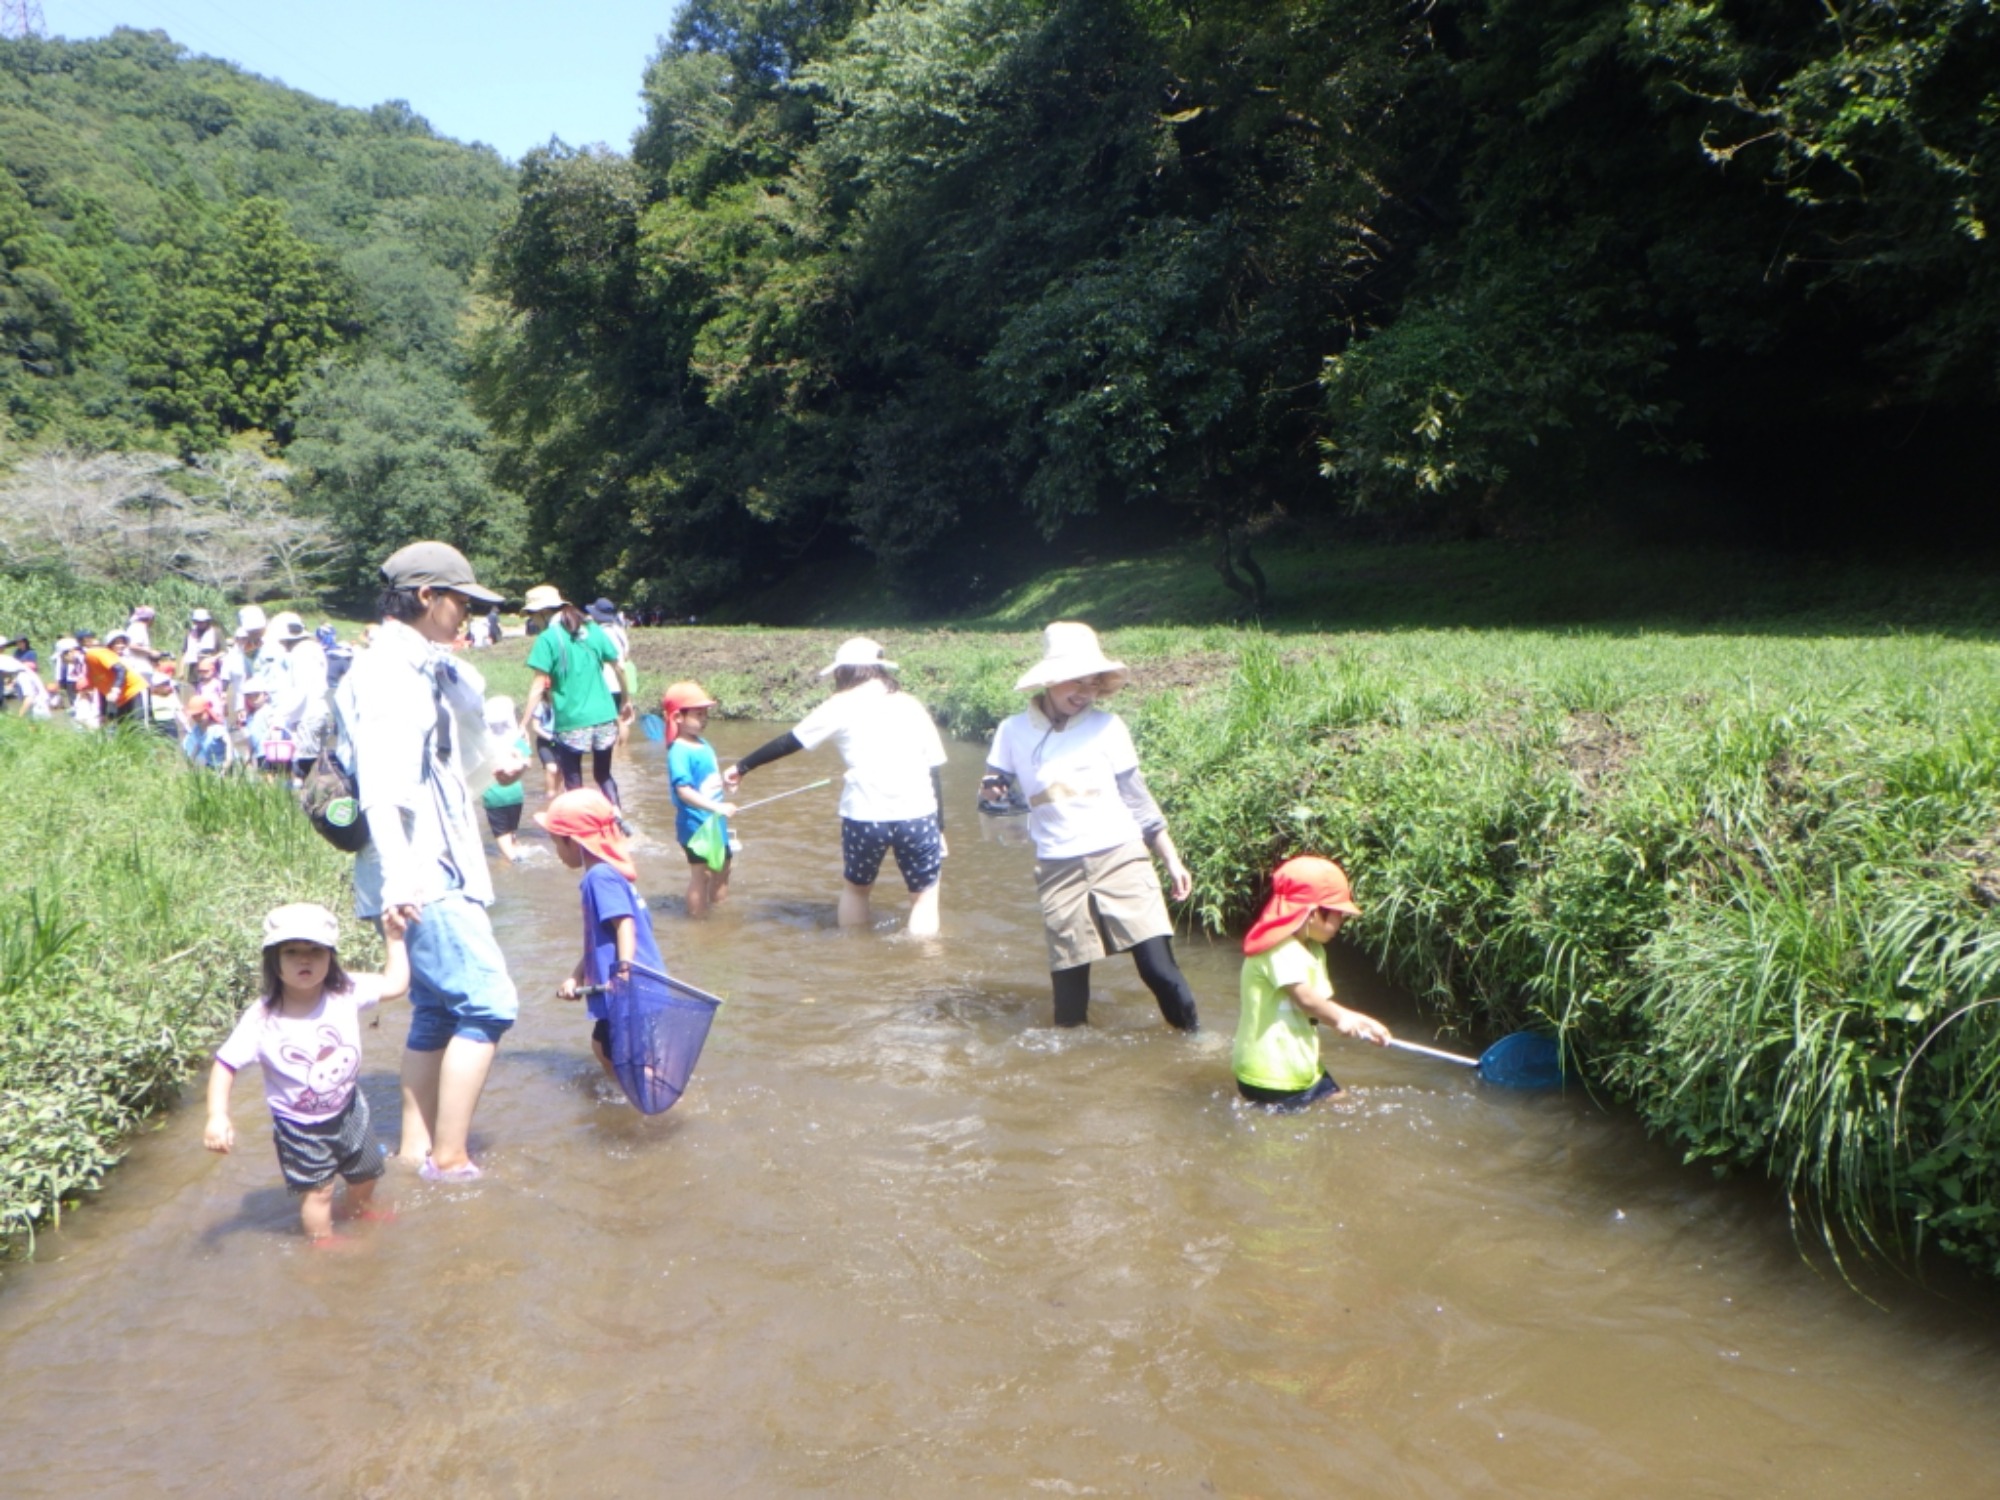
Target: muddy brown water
[(902, 1238)]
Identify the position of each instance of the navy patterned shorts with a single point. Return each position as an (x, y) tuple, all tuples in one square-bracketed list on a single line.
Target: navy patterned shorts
[(918, 846)]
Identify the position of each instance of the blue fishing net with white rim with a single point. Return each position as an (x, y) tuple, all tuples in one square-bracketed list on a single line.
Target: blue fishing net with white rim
[(658, 1028)]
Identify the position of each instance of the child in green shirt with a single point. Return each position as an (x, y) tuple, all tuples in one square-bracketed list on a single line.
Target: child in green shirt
[(1286, 992)]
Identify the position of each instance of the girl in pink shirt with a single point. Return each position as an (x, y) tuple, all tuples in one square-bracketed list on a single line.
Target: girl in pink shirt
[(304, 1032)]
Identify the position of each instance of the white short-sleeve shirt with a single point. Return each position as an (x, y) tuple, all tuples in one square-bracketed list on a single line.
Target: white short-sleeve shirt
[(310, 1062), (1070, 776), (889, 743)]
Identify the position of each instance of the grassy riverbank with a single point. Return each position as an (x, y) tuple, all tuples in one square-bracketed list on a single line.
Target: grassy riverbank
[(1753, 876), (128, 941)]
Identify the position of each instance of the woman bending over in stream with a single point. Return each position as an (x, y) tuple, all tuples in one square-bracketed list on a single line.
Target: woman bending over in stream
[(890, 800)]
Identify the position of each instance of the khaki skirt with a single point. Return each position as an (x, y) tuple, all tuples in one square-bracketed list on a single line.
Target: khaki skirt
[(1099, 904)]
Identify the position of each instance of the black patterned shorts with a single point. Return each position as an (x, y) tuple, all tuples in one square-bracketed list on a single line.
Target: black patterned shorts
[(918, 845)]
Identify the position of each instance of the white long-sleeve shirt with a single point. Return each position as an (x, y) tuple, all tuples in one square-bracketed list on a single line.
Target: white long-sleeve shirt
[(402, 709)]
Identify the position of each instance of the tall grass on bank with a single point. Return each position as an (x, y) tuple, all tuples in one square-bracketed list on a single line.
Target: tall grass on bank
[(128, 940), (1744, 878)]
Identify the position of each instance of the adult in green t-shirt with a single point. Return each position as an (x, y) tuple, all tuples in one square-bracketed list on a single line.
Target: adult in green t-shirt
[(568, 660)]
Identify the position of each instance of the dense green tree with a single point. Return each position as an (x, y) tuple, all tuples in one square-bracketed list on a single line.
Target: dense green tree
[(902, 274), (242, 324), (389, 452)]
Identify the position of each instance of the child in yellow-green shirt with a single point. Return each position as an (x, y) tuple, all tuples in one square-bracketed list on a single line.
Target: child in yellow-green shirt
[(1286, 990)]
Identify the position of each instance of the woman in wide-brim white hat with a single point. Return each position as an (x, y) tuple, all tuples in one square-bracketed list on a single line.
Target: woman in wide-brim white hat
[(889, 801), (1095, 826)]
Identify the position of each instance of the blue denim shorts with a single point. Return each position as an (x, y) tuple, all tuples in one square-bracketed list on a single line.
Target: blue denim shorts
[(459, 985)]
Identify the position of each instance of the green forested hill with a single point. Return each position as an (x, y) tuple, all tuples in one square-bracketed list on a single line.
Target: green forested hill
[(904, 277), (189, 253)]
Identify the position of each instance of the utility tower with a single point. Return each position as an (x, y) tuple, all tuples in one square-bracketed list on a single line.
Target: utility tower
[(19, 18)]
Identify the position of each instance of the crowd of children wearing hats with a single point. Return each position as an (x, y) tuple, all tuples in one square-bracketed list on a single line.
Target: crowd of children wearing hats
[(256, 697)]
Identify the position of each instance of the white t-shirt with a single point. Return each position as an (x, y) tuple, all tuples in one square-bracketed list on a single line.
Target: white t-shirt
[(301, 699), (310, 1062), (1071, 778), (613, 683), (889, 744)]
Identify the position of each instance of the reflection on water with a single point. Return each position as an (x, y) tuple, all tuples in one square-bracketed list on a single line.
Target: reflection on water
[(902, 1238)]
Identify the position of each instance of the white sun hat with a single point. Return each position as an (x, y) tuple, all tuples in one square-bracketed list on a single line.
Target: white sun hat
[(1070, 652), (542, 596), (301, 922), (249, 617), (858, 651)]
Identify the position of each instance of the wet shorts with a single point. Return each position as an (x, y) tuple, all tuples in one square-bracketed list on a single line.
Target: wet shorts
[(503, 819), (311, 1153), (590, 737), (918, 846), (459, 985), (545, 752), (1280, 1099)]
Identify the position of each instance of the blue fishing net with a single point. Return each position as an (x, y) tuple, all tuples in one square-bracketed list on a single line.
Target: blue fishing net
[(1525, 1060), (658, 1028)]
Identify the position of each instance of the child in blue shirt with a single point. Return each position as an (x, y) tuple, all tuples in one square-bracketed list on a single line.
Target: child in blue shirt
[(698, 792), (617, 927)]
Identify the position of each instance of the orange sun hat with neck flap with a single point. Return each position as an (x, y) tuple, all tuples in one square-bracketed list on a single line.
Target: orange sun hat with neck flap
[(1299, 887), (681, 695), (587, 816)]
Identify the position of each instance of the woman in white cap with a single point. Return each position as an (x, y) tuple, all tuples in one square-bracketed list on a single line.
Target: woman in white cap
[(301, 703), (1092, 821), (203, 638), (890, 799)]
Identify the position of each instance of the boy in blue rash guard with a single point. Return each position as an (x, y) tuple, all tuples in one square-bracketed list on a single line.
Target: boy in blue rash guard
[(617, 927), (698, 790)]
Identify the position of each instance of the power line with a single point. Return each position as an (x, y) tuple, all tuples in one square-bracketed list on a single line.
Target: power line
[(19, 18)]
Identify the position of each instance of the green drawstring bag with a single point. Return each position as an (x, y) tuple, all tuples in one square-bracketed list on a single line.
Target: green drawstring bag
[(710, 844)]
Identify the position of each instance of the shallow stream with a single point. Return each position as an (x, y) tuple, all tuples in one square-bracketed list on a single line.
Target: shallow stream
[(902, 1238)]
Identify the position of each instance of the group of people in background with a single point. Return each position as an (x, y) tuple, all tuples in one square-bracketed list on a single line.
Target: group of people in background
[(407, 719), (256, 696)]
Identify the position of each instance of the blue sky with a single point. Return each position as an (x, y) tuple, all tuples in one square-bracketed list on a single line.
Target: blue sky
[(504, 72)]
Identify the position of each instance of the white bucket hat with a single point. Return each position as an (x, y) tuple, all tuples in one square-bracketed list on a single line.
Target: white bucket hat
[(301, 922), (500, 717), (249, 617), (1070, 652), (287, 626), (858, 651), (542, 596)]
